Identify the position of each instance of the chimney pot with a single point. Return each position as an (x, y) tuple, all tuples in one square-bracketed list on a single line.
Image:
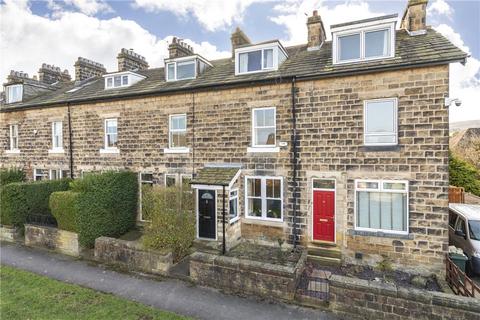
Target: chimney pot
[(178, 48), (129, 60), (85, 68)]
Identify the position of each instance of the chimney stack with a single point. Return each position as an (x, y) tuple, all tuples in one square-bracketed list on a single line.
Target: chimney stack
[(238, 38), (414, 17), (178, 49), (129, 60), (316, 32), (50, 74), (85, 68), (15, 76)]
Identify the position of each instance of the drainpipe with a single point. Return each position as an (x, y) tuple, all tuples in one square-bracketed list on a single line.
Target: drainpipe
[(70, 142), (223, 222), (294, 163), (193, 134)]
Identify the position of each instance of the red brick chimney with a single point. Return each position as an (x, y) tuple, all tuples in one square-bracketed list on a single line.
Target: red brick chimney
[(316, 31), (414, 17)]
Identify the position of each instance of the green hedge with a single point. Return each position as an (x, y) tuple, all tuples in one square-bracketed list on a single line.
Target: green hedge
[(464, 174), (62, 205), (11, 175), (20, 199), (106, 204)]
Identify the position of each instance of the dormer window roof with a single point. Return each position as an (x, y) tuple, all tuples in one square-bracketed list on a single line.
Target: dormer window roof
[(259, 58), (183, 68), (14, 93), (364, 40), (121, 79)]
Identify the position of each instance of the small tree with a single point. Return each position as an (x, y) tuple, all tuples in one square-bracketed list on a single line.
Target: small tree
[(463, 174), (172, 221)]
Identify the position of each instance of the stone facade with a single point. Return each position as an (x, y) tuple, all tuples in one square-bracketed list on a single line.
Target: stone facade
[(9, 234), (330, 131), (65, 242), (130, 254)]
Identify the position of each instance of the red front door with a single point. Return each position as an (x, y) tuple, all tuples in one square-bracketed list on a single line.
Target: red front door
[(324, 215)]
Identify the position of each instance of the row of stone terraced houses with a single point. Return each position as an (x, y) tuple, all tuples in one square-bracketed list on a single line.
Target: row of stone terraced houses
[(340, 143)]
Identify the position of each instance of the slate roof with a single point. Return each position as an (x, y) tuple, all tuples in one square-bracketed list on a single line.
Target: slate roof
[(217, 176), (428, 49)]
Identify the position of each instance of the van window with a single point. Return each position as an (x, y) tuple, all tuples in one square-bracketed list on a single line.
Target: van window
[(452, 218), (474, 226), (461, 226)]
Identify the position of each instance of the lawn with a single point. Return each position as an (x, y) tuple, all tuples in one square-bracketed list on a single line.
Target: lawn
[(24, 295)]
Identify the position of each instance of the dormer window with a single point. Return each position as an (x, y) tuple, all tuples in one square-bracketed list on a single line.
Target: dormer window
[(185, 68), (122, 79), (364, 40), (259, 58), (14, 93)]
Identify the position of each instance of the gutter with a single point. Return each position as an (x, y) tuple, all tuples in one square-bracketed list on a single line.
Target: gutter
[(238, 84)]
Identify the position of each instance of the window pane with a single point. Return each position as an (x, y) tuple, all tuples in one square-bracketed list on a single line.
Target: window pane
[(117, 81), (380, 117), (109, 82), (111, 126), (377, 43), (323, 184), (367, 185), (374, 210), (274, 209), (269, 117), (170, 180), (399, 211), (386, 211), (254, 187), (185, 70), (146, 177), (178, 122), (265, 136), (363, 209), (349, 47), (259, 117), (125, 80), (14, 93), (268, 58), (186, 182), (394, 186), (243, 62), (233, 210), (273, 188), (112, 140), (171, 71), (250, 61), (178, 139), (255, 207)]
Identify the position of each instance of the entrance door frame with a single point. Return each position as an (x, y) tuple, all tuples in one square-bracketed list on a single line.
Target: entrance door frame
[(209, 188), (334, 208)]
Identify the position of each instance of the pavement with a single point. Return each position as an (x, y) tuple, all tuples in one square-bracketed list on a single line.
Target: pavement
[(168, 294)]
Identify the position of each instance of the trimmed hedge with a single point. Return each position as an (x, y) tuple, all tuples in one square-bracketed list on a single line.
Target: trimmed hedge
[(11, 175), (106, 205), (20, 199), (62, 205)]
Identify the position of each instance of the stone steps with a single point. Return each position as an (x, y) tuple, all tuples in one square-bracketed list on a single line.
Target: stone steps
[(326, 254), (325, 261)]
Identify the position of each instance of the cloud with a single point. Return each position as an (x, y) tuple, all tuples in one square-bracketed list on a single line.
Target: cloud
[(464, 80), (213, 15), (292, 15), (440, 8), (88, 7), (28, 40)]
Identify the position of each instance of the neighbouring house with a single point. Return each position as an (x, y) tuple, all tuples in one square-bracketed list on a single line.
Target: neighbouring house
[(337, 145)]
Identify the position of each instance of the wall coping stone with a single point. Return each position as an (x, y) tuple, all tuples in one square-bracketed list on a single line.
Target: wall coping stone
[(379, 234)]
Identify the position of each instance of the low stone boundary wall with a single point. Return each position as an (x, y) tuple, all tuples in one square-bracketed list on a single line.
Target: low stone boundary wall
[(362, 299), (131, 255), (65, 242), (10, 234), (242, 276)]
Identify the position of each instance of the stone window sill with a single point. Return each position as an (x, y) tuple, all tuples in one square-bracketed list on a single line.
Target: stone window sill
[(380, 234), (267, 223), (13, 152), (263, 149), (176, 150), (110, 151), (232, 221), (380, 148), (56, 151)]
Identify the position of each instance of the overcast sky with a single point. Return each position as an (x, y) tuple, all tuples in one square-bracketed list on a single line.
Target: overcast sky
[(57, 32)]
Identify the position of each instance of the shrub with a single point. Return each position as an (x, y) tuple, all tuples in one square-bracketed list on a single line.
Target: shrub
[(62, 205), (464, 174), (11, 175), (172, 225), (20, 199), (106, 205)]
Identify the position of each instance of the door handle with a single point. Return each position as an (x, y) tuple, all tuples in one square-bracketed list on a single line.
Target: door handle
[(206, 217), (323, 220)]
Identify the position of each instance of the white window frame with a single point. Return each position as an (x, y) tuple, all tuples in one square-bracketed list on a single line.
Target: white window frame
[(381, 189), (174, 175), (181, 60), (230, 198), (395, 123), (44, 174), (132, 78), (14, 129), (59, 147), (254, 145), (50, 173), (140, 183), (8, 93), (263, 197), (105, 138), (170, 130), (361, 29), (262, 47), (184, 175)]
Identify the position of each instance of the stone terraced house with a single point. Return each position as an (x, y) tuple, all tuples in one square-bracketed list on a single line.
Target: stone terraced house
[(340, 146)]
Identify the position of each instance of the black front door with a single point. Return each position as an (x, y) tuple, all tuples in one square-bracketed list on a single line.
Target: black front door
[(206, 214)]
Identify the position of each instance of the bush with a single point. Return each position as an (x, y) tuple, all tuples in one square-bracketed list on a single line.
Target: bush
[(463, 174), (106, 205), (62, 205), (11, 175), (172, 225), (20, 199)]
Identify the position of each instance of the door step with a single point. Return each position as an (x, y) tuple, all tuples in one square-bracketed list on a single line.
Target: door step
[(330, 252), (325, 261)]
